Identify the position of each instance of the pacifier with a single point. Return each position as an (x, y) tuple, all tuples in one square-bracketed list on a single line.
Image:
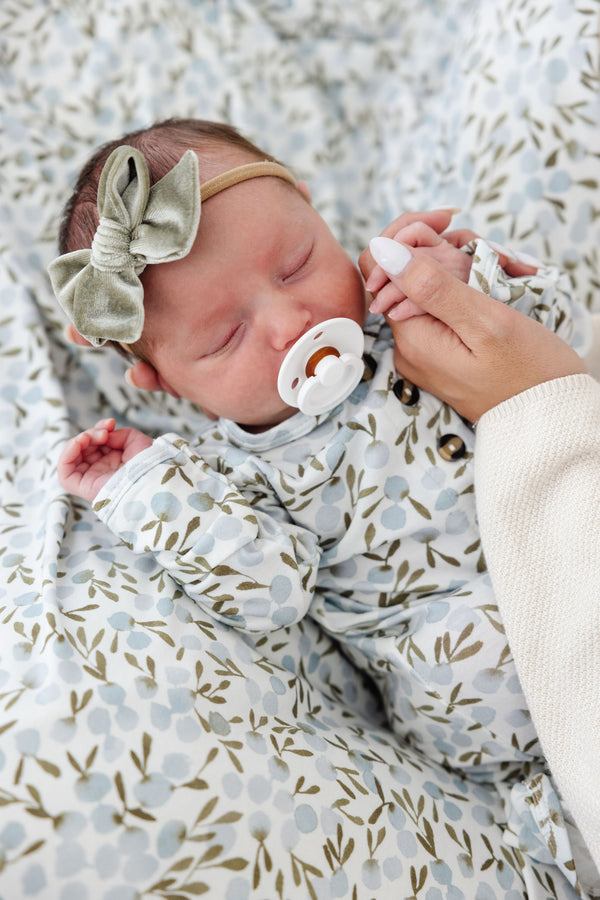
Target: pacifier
[(323, 367)]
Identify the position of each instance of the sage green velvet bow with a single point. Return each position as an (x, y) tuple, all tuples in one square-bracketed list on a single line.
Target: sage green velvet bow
[(99, 288)]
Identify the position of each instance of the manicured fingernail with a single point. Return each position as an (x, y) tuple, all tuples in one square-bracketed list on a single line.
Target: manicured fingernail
[(395, 312), (129, 378), (390, 255), (451, 209), (500, 248), (528, 260)]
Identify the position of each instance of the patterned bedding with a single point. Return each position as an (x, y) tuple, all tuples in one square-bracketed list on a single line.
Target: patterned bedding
[(145, 750)]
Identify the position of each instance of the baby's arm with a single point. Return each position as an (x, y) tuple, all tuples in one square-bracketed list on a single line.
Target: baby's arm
[(92, 457), (221, 533)]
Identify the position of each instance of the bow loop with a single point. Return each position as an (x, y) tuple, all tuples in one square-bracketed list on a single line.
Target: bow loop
[(124, 187), (166, 232), (99, 289)]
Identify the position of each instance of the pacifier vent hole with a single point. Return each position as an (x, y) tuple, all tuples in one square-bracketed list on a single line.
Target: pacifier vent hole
[(317, 336), (295, 383)]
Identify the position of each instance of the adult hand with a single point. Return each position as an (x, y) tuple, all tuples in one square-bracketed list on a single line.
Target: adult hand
[(424, 233), (513, 263), (470, 350), (423, 241)]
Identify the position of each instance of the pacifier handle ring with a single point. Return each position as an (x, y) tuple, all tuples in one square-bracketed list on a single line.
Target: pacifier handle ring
[(316, 358)]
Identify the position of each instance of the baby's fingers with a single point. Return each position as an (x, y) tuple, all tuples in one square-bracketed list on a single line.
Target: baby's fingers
[(513, 262), (102, 429), (79, 446), (99, 434), (392, 302), (74, 449), (418, 234), (466, 311), (376, 281), (460, 236), (405, 310), (387, 297)]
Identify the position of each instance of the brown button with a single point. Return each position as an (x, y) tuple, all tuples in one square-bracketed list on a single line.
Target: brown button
[(451, 446), (406, 392), (370, 367)]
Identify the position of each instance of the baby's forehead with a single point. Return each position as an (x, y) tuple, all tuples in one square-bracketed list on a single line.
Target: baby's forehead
[(257, 206), (254, 218)]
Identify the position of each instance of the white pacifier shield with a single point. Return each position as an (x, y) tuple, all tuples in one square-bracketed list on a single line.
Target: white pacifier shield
[(334, 375)]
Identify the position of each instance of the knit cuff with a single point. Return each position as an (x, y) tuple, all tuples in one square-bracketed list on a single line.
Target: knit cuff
[(570, 388)]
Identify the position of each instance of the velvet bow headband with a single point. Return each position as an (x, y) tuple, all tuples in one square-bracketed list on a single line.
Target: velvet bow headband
[(100, 289)]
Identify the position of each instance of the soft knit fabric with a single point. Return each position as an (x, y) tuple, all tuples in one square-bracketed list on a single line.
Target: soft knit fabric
[(537, 477), (364, 516)]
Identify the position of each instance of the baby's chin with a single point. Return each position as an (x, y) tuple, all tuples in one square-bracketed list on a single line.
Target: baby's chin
[(276, 419)]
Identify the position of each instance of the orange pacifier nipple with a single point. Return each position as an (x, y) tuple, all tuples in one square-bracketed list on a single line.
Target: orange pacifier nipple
[(323, 367)]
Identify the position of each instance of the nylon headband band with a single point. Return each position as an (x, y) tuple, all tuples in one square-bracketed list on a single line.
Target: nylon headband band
[(243, 173)]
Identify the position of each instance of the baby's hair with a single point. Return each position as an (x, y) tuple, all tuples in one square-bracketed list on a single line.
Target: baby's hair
[(162, 144)]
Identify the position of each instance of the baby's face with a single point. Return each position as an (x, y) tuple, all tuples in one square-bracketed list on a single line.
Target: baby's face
[(263, 270)]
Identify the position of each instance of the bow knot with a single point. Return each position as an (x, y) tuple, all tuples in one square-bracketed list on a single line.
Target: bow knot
[(111, 246), (99, 288)]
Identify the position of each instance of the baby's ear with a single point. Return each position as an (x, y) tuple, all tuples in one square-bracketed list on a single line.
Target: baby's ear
[(304, 190), (73, 336), (143, 376)]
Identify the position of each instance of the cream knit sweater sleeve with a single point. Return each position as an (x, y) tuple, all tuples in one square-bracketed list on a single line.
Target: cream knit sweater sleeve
[(537, 476)]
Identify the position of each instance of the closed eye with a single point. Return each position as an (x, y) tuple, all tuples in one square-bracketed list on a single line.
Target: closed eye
[(227, 344), (298, 264)]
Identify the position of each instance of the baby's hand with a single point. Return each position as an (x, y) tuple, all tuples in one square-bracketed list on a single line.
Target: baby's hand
[(89, 460), (425, 242)]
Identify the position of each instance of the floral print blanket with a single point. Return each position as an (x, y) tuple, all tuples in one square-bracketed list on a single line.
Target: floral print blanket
[(147, 751)]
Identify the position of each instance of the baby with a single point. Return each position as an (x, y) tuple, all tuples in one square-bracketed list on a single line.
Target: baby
[(362, 516)]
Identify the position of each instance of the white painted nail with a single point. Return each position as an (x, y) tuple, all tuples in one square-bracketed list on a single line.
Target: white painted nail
[(528, 260), (390, 255), (500, 248)]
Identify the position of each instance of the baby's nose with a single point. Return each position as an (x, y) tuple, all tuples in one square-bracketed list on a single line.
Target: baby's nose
[(286, 324)]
